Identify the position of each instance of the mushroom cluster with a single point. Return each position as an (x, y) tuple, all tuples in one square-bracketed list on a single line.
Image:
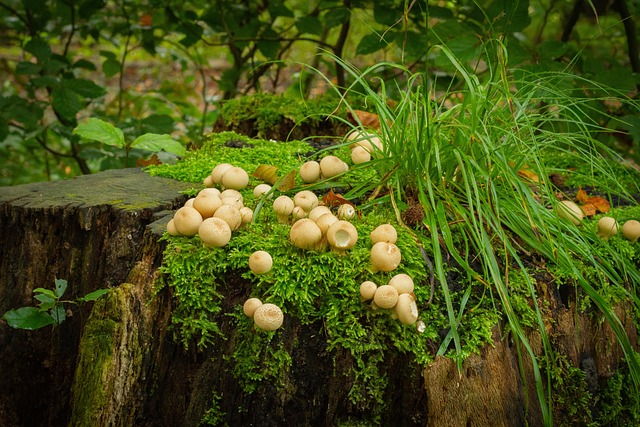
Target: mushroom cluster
[(364, 146), (327, 167), (396, 296), (385, 255), (267, 317)]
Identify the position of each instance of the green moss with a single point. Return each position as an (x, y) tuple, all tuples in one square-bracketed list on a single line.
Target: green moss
[(617, 404)]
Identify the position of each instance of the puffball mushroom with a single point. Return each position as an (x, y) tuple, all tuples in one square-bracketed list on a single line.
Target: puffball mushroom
[(214, 232), (305, 234), (346, 211), (261, 189), (208, 181), (206, 203), (367, 290), (283, 207), (385, 297), (331, 166), (306, 199), (325, 221), (406, 309), (318, 211), (384, 233), (342, 235), (385, 257), (569, 210), (607, 227), (250, 306), (298, 213), (229, 214), (631, 230), (171, 228), (187, 220), (402, 282), (310, 171), (235, 178), (246, 214), (189, 202), (360, 155), (268, 317), (260, 262), (218, 171), (211, 191)]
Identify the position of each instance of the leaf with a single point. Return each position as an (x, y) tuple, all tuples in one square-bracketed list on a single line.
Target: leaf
[(66, 103), (26, 68), (92, 296), (153, 160), (38, 48), (600, 203), (309, 25), (582, 196), (592, 204), (267, 173), (370, 120), (287, 182), (110, 67), (58, 314), (332, 199), (46, 302), (47, 292), (101, 131), (159, 142), (85, 88), (528, 174), (29, 318), (589, 209), (61, 287), (370, 43)]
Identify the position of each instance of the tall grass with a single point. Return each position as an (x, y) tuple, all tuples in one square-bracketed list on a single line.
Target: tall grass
[(477, 168)]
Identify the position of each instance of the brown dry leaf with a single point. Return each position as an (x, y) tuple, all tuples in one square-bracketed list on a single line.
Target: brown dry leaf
[(600, 203), (528, 174), (589, 209), (368, 120), (153, 160), (582, 196), (267, 173), (288, 181), (332, 199)]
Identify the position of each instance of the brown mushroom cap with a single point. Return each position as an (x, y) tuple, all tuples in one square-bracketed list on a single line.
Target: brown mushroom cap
[(214, 232), (607, 227), (268, 317), (305, 199), (631, 230), (386, 296), (218, 171), (342, 235), (406, 309), (260, 262), (305, 234), (235, 178), (367, 290), (187, 220), (569, 210), (403, 283), (331, 166), (206, 203), (384, 233), (310, 171), (250, 306), (385, 256), (230, 214)]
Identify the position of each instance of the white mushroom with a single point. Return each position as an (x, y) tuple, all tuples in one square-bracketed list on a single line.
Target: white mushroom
[(306, 199), (331, 166), (402, 282), (235, 178), (367, 290), (171, 228), (214, 232), (310, 171), (218, 171), (325, 221), (268, 317), (250, 306), (385, 257), (318, 211), (607, 227), (384, 233), (631, 230), (187, 220), (206, 203), (385, 297), (246, 215), (406, 309), (283, 207), (305, 234), (260, 262), (261, 189), (342, 235), (229, 214), (346, 211), (569, 210)]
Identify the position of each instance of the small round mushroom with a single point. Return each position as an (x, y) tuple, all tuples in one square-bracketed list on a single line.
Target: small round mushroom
[(187, 220), (331, 166), (214, 232), (631, 230), (318, 211), (218, 171), (250, 306), (607, 227), (233, 201), (305, 234), (206, 203), (385, 297), (260, 262), (229, 214), (261, 189), (268, 317), (283, 207), (189, 202), (403, 283), (171, 228), (230, 192), (310, 171), (208, 181), (298, 213), (211, 191), (342, 235), (325, 221), (406, 309), (569, 210), (385, 257), (367, 290), (306, 199), (235, 178), (384, 233), (346, 211), (246, 214), (360, 155)]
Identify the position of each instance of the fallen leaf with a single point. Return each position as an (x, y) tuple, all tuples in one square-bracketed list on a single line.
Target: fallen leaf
[(288, 181), (589, 209), (332, 199), (528, 174), (600, 203), (370, 120), (582, 196), (153, 160), (267, 173)]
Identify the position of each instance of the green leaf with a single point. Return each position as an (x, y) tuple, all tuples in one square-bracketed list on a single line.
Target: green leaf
[(84, 64), (61, 287), (45, 81), (58, 314), (386, 15), (157, 123), (46, 302), (268, 45), (92, 296), (38, 48), (192, 34), (309, 25), (337, 16), (110, 67), (66, 103), (29, 318), (370, 43), (101, 131), (25, 68), (85, 88), (47, 292), (156, 142)]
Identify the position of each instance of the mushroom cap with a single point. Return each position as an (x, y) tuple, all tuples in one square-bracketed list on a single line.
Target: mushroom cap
[(385, 256), (298, 213), (359, 155), (189, 202), (384, 233), (214, 232), (325, 221), (607, 227), (230, 192), (212, 191), (306, 199), (234, 201), (268, 317), (261, 189), (208, 181), (218, 171), (283, 207), (386, 296), (569, 210), (305, 234), (247, 214), (187, 220), (206, 203), (402, 282), (229, 214), (310, 171), (367, 290), (235, 178), (368, 141), (260, 262), (171, 228), (318, 211), (342, 235), (406, 309), (346, 211), (631, 230), (331, 166), (249, 307)]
